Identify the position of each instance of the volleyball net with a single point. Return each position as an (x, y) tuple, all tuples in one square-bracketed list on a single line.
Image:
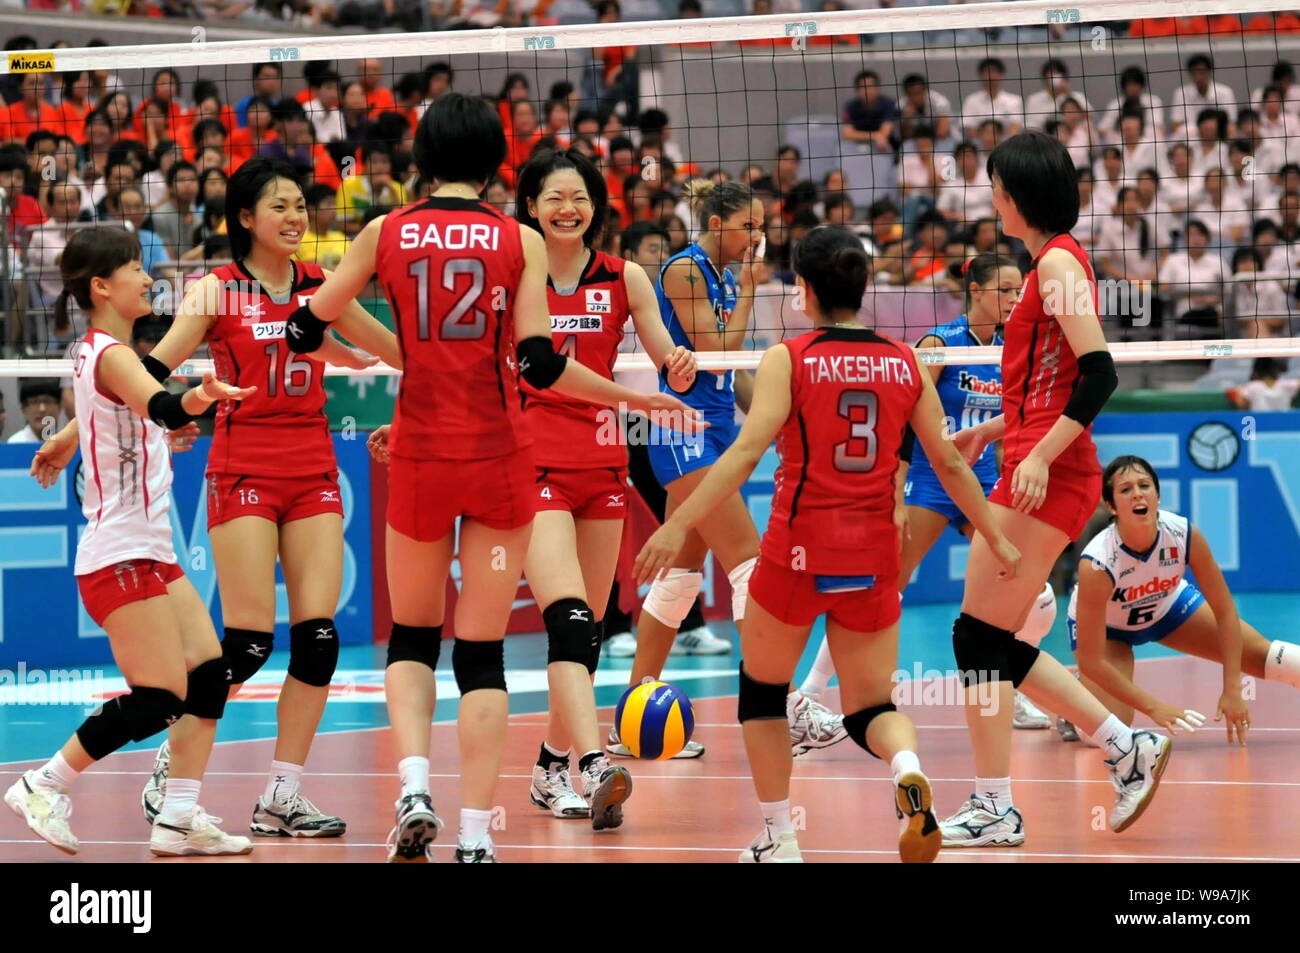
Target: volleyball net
[(1185, 132)]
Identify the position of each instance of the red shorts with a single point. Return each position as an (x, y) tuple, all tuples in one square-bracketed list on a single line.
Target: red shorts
[(595, 494), (278, 499), (426, 496), (1072, 497), (106, 590), (792, 597)]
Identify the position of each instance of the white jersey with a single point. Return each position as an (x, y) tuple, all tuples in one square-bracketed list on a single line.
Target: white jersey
[(128, 467), (1146, 584)]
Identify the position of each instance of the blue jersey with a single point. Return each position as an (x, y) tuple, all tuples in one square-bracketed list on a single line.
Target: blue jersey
[(970, 394), (711, 394)]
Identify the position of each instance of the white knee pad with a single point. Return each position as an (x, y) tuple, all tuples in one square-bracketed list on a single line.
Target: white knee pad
[(739, 578), (1041, 616), (672, 595)]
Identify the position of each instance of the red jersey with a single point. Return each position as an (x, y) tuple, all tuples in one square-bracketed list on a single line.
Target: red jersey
[(851, 395), (1039, 370), (282, 429), (586, 326), (450, 268)]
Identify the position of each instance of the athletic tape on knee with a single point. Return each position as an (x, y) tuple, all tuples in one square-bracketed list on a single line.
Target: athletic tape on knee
[(207, 688), (981, 650), (760, 700), (313, 651), (857, 724), (672, 594), (739, 578), (139, 714), (479, 665), (415, 643), (245, 652), (1041, 616), (571, 633)]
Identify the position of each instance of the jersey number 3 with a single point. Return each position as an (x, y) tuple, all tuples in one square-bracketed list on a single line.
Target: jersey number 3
[(463, 322), (860, 408)]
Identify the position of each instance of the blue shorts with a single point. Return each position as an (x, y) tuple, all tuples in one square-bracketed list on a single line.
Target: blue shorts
[(926, 491), (673, 455), (1187, 602)]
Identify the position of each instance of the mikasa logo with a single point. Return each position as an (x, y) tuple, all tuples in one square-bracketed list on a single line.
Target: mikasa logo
[(31, 62)]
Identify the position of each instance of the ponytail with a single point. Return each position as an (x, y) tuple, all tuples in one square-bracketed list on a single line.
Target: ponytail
[(61, 311)]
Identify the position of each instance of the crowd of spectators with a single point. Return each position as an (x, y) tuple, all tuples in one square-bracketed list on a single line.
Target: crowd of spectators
[(1196, 199)]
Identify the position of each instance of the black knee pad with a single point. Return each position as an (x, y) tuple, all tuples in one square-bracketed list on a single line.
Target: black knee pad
[(135, 716), (857, 724), (415, 643), (571, 633), (245, 652), (207, 689), (1021, 657), (313, 651), (479, 665), (594, 662), (982, 651), (759, 700)]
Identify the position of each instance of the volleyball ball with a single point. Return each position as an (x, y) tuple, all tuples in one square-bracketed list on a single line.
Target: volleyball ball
[(654, 720), (1213, 446)]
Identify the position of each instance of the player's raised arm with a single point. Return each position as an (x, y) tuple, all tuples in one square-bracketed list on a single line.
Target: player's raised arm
[(305, 330)]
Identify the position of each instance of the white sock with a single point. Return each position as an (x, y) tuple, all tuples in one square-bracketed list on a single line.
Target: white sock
[(904, 762), (1282, 664), (283, 781), (776, 815), (414, 772), (55, 776), (180, 801), (1114, 738), (823, 671), (996, 793), (473, 825)]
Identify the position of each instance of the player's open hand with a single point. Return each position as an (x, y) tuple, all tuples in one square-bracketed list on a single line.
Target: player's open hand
[(1029, 484), (681, 369), (1175, 719), (377, 444), (183, 438), (659, 552), (970, 443), (55, 454), (214, 390), (1232, 709), (666, 411), (1008, 557)]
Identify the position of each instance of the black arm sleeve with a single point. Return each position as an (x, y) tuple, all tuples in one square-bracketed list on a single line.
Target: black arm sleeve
[(167, 411), (909, 441), (1097, 381), (304, 332), (538, 362), (156, 368)]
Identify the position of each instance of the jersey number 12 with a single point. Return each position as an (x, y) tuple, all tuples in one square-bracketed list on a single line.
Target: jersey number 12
[(463, 322)]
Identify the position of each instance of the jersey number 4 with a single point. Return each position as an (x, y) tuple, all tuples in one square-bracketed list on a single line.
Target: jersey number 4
[(860, 408), (463, 322)]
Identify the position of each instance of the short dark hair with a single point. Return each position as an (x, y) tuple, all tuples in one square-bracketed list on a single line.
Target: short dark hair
[(991, 62), (866, 74), (179, 167), (94, 252), (1126, 461), (34, 387), (38, 136), (258, 67), (317, 193), (205, 126), (1200, 59), (1198, 225), (632, 237), (1054, 65), (652, 121), (1246, 253), (459, 139), (1261, 226), (788, 147), (1035, 169), (914, 79), (534, 174)]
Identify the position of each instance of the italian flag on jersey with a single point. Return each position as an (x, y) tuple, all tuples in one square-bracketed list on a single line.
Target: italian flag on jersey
[(1170, 552)]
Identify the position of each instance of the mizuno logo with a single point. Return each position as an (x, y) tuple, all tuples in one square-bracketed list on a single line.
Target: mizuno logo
[(615, 499), (257, 651), (329, 496), (324, 634), (579, 615)]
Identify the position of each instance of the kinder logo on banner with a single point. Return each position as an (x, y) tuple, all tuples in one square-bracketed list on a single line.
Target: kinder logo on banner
[(598, 301), (31, 62)]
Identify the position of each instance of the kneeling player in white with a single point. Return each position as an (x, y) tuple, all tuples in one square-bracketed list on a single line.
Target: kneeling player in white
[(1132, 590)]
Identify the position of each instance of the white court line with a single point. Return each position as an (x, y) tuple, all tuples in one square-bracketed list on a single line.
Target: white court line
[(1009, 855), (701, 777)]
